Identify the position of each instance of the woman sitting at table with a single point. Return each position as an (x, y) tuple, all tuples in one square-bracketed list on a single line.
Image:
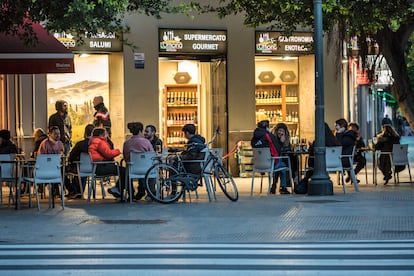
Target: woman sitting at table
[(38, 136), (386, 140), (359, 158), (263, 138), (281, 132)]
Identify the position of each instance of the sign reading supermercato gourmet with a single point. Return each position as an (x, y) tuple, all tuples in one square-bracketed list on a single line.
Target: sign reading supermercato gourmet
[(99, 42), (275, 43), (180, 41)]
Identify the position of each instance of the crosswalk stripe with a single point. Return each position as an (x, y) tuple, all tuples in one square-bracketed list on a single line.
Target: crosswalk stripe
[(209, 259)]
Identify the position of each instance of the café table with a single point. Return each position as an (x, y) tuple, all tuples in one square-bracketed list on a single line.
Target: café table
[(299, 159), (375, 155)]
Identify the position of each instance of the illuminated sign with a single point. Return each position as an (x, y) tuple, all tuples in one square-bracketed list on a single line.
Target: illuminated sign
[(175, 41), (275, 43), (100, 42)]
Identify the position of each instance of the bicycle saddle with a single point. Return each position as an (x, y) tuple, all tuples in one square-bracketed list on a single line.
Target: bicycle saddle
[(175, 149)]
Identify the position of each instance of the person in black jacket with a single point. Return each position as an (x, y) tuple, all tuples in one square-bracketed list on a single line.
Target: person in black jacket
[(359, 158), (386, 140), (74, 156), (6, 145), (346, 138), (149, 133), (330, 141), (62, 120), (194, 147), (262, 138)]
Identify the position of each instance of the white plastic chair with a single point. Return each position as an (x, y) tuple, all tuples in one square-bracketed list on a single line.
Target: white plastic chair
[(47, 170), (263, 162), (84, 169), (334, 162), (351, 169), (92, 183), (7, 174), (137, 167), (399, 157)]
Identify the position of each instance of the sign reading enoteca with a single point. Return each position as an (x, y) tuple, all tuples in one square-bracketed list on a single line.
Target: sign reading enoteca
[(275, 43), (192, 41)]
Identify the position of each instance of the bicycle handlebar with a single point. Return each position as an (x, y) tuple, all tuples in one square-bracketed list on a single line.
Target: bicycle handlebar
[(216, 132)]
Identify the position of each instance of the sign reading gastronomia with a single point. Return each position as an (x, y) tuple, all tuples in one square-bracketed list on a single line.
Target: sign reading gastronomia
[(275, 43), (192, 41)]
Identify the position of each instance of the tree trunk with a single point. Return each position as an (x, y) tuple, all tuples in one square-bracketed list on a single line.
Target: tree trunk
[(392, 45)]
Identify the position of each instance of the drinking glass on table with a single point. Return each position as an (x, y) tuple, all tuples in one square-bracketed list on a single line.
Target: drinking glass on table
[(158, 149)]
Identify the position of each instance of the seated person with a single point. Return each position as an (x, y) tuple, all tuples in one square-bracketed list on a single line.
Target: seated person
[(51, 145), (359, 158), (100, 150), (38, 135), (386, 140), (149, 133), (281, 132), (193, 150), (262, 138), (6, 145), (74, 156), (137, 143), (330, 141)]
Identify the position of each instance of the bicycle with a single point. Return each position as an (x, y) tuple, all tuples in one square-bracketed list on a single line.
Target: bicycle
[(166, 183)]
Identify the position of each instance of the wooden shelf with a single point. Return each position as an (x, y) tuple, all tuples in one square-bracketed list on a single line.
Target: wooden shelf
[(180, 107)]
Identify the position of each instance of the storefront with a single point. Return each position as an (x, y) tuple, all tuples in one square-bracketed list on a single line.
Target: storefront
[(99, 71), (208, 73), (284, 82), (192, 81)]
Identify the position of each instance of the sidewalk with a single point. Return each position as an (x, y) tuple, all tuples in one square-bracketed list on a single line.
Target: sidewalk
[(375, 213), (370, 232)]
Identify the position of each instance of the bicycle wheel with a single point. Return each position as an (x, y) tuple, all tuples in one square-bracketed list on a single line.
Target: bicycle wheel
[(160, 183), (226, 182)]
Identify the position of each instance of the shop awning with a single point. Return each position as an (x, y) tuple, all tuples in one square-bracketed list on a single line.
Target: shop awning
[(48, 56)]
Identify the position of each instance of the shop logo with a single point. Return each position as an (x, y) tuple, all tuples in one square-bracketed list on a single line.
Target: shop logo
[(66, 39), (266, 44), (170, 42)]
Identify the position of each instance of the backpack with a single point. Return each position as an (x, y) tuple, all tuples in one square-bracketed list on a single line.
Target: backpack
[(301, 188)]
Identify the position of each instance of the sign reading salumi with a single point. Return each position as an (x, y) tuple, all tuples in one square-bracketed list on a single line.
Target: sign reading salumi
[(192, 41), (100, 42), (275, 43)]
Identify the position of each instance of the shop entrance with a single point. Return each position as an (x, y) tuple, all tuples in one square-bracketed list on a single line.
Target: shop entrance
[(192, 91)]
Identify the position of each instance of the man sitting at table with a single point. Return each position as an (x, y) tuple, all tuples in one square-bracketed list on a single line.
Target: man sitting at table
[(137, 143), (6, 145), (51, 145), (74, 156)]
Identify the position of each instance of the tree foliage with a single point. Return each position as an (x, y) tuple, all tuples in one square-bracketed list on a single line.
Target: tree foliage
[(77, 16), (387, 23)]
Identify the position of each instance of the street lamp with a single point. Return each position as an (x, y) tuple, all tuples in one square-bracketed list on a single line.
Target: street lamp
[(320, 183)]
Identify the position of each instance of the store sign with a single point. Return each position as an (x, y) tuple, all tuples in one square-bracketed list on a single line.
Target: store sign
[(275, 43), (100, 42), (174, 41)]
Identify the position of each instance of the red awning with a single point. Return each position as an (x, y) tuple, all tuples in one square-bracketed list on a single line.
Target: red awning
[(48, 56)]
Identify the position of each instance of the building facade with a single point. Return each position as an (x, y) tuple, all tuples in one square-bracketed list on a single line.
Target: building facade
[(220, 79)]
